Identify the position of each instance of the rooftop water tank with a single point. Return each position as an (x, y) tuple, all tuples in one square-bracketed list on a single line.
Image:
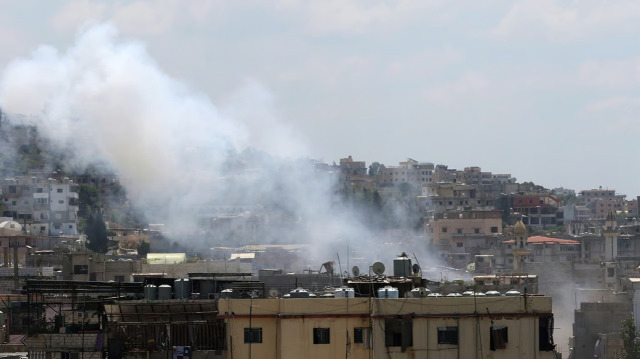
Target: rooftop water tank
[(150, 292), (454, 295), (229, 293), (493, 293), (402, 266), (434, 295), (344, 292), (388, 292), (299, 293), (164, 292), (419, 292), (512, 293), (182, 288)]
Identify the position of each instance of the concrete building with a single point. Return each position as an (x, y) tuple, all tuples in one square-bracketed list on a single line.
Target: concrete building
[(591, 321), (410, 171), (463, 231), (445, 327), (43, 206), (538, 209)]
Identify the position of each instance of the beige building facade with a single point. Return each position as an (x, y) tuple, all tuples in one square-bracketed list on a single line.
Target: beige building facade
[(431, 327)]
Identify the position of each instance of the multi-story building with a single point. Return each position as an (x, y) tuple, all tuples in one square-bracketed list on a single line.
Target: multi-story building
[(463, 231), (475, 176), (445, 327), (43, 206), (589, 195), (446, 196), (538, 209), (349, 167), (410, 171)]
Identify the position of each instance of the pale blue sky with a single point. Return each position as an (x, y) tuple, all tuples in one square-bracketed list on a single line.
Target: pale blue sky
[(546, 90)]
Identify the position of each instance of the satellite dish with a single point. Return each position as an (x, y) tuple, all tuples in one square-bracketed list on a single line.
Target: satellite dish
[(355, 271), (274, 293), (378, 268), (415, 268)]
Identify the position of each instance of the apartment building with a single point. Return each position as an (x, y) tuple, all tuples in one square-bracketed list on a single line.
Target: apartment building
[(463, 231), (538, 209), (42, 206), (475, 176), (409, 171), (442, 327)]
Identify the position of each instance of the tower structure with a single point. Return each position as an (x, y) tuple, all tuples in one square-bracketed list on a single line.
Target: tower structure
[(521, 249), (610, 233)]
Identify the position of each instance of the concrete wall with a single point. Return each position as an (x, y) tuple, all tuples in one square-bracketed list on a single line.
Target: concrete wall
[(288, 326)]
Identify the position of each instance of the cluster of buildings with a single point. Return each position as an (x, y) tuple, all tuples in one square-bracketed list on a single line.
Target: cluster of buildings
[(493, 234)]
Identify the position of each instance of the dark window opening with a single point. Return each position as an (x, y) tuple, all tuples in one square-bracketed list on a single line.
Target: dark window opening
[(494, 229), (362, 336), (499, 338), (253, 335), (448, 335), (321, 336), (398, 333), (545, 334)]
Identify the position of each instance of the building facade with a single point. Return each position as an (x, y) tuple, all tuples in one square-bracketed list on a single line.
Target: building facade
[(431, 327)]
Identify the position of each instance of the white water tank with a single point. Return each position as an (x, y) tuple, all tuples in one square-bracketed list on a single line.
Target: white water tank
[(388, 292), (344, 292)]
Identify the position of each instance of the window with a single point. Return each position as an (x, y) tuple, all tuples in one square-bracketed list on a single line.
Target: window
[(398, 333), (80, 269), (444, 229), (499, 338), (494, 229), (459, 231), (448, 335), (61, 201), (362, 335), (253, 335), (611, 272), (321, 335), (476, 230), (67, 355), (118, 278), (459, 244), (545, 334), (59, 190)]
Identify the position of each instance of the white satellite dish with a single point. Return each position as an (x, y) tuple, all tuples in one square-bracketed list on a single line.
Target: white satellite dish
[(378, 268), (355, 271)]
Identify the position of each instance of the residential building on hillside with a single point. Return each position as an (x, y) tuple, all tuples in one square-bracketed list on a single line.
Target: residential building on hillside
[(43, 206), (538, 209), (463, 231)]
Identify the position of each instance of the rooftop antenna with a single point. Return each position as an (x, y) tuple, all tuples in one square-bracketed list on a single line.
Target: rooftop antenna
[(339, 265)]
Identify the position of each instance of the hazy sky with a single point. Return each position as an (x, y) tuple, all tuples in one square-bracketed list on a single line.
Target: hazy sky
[(548, 91)]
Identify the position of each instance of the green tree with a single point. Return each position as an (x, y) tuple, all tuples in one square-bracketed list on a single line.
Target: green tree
[(375, 168), (96, 232), (88, 201), (630, 341), (143, 249)]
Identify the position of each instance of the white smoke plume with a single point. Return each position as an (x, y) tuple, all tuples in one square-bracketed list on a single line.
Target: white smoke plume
[(106, 100)]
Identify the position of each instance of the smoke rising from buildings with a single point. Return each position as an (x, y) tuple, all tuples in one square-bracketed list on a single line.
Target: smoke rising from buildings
[(106, 101)]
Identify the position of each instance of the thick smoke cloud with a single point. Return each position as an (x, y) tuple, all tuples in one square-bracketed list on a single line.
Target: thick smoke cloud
[(104, 100)]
